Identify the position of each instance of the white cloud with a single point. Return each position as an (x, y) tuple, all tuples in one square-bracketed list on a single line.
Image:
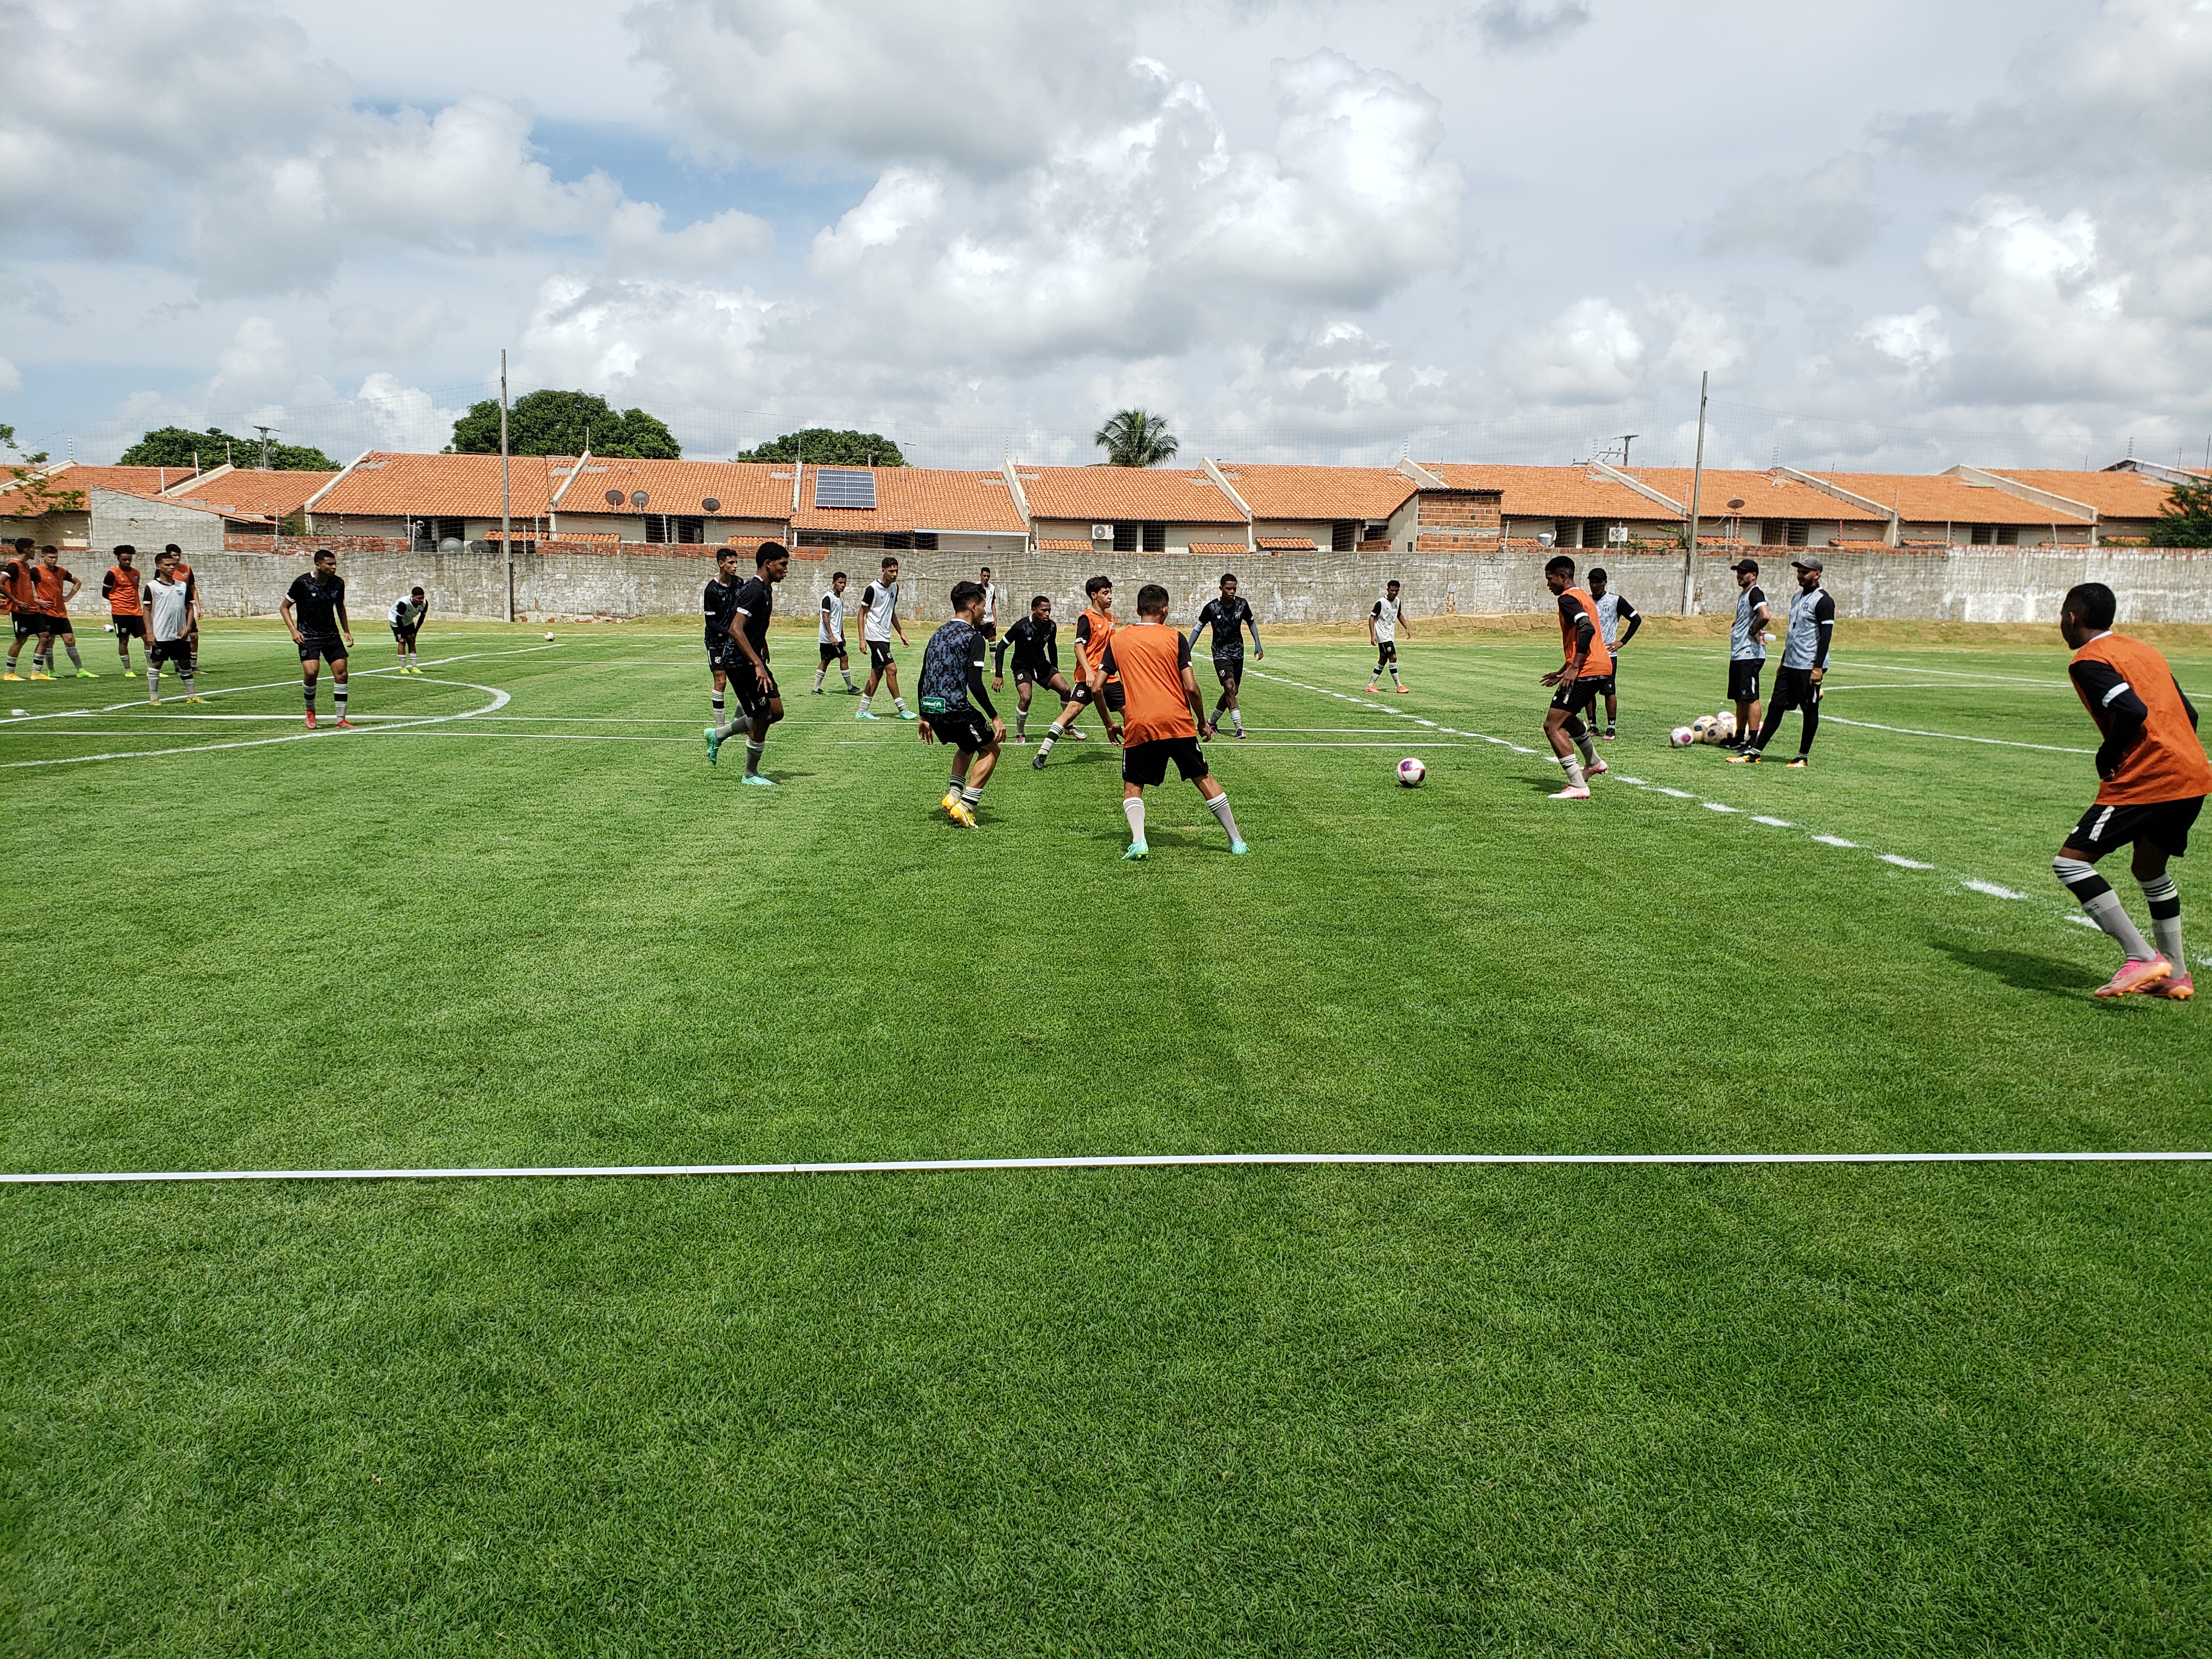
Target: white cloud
[(686, 341), (1521, 26), (11, 379), (1589, 353), (1825, 216), (1914, 340), (1702, 339), (258, 362), (404, 416), (365, 331)]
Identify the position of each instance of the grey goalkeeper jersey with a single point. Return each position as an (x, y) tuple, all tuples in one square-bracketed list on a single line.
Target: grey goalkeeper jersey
[(1745, 644), (1812, 621)]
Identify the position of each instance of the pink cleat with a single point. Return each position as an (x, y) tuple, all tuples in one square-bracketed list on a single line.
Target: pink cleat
[(1596, 768), (2175, 987), (1570, 793), (311, 720), (345, 726), (2135, 977)]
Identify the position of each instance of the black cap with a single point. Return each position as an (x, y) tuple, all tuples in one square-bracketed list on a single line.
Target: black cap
[(1751, 565)]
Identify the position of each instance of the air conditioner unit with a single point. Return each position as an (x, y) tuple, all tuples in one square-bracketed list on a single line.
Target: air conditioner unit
[(1617, 536), (1102, 532)]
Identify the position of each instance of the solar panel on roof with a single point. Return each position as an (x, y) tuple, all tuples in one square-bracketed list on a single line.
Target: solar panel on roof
[(844, 486)]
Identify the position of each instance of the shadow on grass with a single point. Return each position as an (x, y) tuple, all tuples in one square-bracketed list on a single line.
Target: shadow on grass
[(2023, 969)]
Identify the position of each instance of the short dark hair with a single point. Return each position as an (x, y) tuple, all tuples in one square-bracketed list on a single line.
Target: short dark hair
[(2091, 605), (48, 547), (965, 593), (1561, 566), (1090, 588), (1042, 598), (124, 548), (1597, 574), (889, 559), (768, 550), (1152, 600), (724, 551), (839, 576), (23, 544), (171, 547), (986, 569), (1393, 582), (320, 553), (412, 591), (1228, 576)]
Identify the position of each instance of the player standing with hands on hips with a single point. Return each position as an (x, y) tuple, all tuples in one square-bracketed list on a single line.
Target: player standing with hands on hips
[(314, 612)]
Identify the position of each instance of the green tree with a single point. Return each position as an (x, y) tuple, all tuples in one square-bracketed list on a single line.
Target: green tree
[(172, 446), (825, 448), (566, 424), (1136, 437), (2186, 521)]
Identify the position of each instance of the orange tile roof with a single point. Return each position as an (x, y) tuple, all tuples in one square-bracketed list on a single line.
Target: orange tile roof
[(388, 484), (746, 490), (1286, 544), (1921, 500), (1553, 492), (1764, 495), (919, 498), (74, 475), (2114, 494), (243, 494), (1220, 549), (1064, 547), (1318, 492), (1106, 495)]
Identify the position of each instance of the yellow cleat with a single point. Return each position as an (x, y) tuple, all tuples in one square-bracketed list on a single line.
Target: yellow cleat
[(951, 804), (961, 815), (37, 676)]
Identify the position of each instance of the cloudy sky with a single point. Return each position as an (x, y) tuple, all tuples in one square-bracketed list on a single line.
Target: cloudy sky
[(1506, 229)]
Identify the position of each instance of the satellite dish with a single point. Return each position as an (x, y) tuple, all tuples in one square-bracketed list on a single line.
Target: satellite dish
[(711, 505), (1735, 503), (637, 498), (613, 498)]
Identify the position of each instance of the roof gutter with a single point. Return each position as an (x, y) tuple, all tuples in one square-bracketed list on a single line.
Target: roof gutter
[(1243, 506), (2014, 487), (1422, 477), (200, 478), (1891, 534), (307, 507), (1599, 469)]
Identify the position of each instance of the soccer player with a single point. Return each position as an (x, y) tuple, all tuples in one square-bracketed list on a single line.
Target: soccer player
[(1577, 680), (717, 605), (1611, 609), (830, 637), (53, 586), (168, 633), (1747, 650), (990, 605), (1228, 617), (1383, 622), (1804, 664), (879, 620), (760, 704), (314, 610), (1164, 714), (22, 604), (1035, 641), (191, 585), (121, 587), (951, 694), (2155, 777), (407, 617), (1094, 631)]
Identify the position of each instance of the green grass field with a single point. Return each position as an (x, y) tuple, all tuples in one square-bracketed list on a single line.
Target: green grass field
[(1902, 1409)]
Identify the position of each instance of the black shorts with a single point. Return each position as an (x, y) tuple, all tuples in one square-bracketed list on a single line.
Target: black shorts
[(966, 728), (745, 686), (405, 636), (1600, 684), (1034, 673), (2163, 823), (29, 625), (1228, 667), (1385, 651), (831, 652), (179, 651), (1114, 699), (129, 627), (1580, 695), (1793, 689), (990, 630), (1147, 763), (329, 646), (1743, 678), (879, 655)]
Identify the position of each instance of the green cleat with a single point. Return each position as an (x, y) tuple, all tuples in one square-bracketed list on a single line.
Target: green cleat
[(85, 674), (1137, 850), (906, 714), (755, 777), (1239, 849), (865, 714), (714, 747)]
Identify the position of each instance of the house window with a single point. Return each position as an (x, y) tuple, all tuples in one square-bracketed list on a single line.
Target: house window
[(1982, 535), (2008, 535), (924, 541), (1785, 532), (430, 534), (674, 527), (1125, 537), (1342, 535), (898, 538), (1374, 533), (1156, 538)]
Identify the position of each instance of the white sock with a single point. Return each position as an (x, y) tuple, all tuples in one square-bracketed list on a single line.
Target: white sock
[(973, 794), (338, 696), (2164, 899), (1219, 807), (899, 703), (848, 673), (1133, 809), (153, 682), (820, 674), (1021, 725), (1573, 769), (753, 751), (721, 707), (864, 700), (190, 689)]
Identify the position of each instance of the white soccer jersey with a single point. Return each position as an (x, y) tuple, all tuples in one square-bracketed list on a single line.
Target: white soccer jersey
[(879, 601), (1608, 619), (990, 604), (405, 613), (832, 631), (1385, 618), (168, 604)]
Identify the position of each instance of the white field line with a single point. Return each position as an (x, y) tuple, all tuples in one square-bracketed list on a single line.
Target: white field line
[(1957, 736), (1137, 1161)]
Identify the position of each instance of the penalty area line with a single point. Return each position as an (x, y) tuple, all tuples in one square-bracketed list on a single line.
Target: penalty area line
[(1131, 1161)]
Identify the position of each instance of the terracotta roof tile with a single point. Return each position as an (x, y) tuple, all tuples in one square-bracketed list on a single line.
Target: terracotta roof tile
[(1555, 492), (1922, 500), (1106, 495), (919, 498), (1318, 492), (746, 490), (1764, 495), (1064, 547), (244, 495), (387, 486), (74, 475), (1220, 549), (1286, 544), (2114, 494)]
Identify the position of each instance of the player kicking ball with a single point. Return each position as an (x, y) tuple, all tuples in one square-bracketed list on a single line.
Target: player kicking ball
[(314, 612), (1162, 711), (955, 707), (760, 705), (2156, 778), (1576, 681), (1093, 682)]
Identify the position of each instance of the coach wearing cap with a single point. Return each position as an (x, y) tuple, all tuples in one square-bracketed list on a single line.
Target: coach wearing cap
[(1804, 664), (1746, 651)]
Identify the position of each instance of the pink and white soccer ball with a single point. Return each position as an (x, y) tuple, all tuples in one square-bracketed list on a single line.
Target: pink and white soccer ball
[(1725, 726), (1680, 738), (1411, 772)]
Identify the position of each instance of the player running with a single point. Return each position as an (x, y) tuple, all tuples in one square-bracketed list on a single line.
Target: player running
[(1035, 641), (22, 590), (314, 611), (169, 628), (1746, 651), (717, 604), (1577, 680), (1165, 713), (1611, 609), (1094, 631), (830, 637), (121, 587), (760, 704), (879, 620), (1387, 616), (1228, 617), (2156, 778), (955, 707), (1804, 664), (407, 617)]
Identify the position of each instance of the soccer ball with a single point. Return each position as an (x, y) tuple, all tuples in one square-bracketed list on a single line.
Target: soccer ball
[(1701, 729), (548, 636), (1411, 772), (1725, 727), (1680, 738)]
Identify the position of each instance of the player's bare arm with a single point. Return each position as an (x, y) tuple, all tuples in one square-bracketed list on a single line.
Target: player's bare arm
[(284, 614), (345, 624)]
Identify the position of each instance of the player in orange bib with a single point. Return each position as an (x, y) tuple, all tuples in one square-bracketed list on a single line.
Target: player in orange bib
[(2155, 779), (21, 591), (1164, 714), (121, 587), (1094, 632), (1578, 681)]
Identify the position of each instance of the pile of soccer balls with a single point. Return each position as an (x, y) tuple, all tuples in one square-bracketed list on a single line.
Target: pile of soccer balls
[(1706, 728)]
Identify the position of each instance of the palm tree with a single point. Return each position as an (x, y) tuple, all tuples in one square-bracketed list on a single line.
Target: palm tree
[(1136, 438)]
